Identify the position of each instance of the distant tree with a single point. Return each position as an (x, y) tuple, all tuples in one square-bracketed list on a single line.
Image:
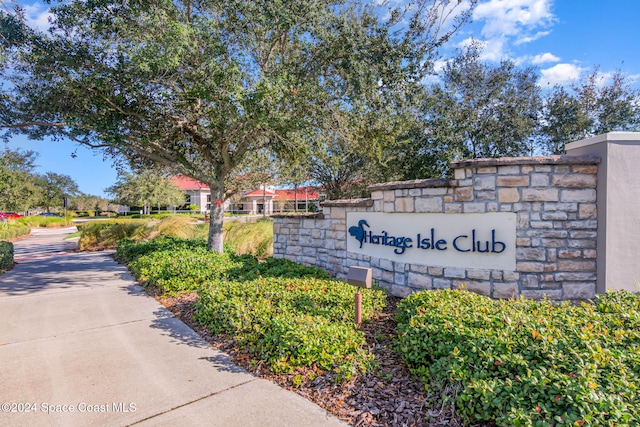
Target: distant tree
[(587, 108), (17, 181), (479, 110), (146, 188), (52, 188), (197, 86)]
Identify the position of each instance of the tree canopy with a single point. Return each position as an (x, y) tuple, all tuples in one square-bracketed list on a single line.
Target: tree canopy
[(195, 85)]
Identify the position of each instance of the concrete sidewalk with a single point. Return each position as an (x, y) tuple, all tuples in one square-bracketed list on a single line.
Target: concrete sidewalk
[(82, 345)]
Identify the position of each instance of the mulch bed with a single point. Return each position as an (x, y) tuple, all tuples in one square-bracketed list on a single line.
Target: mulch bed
[(388, 396)]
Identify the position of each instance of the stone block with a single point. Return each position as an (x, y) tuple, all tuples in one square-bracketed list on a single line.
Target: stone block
[(484, 183), (404, 204), (587, 211), (478, 274), (523, 241), (386, 264), (400, 291), (454, 272), (582, 243), (401, 192), (400, 279), (582, 225), (513, 181), (552, 255), (389, 207), (529, 281), (569, 253), (388, 196), (593, 169), (542, 168), (459, 174), (436, 271), (453, 208), (492, 207), (541, 224), (428, 204), (590, 253), (497, 275), (583, 234), (554, 216), (580, 196), (474, 208), (573, 265), (540, 180), (486, 170), (507, 290), (486, 195), (578, 290), (530, 267), (464, 194), (477, 286), (509, 170), (574, 181), (510, 276), (540, 195), (440, 283), (526, 170), (438, 191), (422, 269), (415, 192), (574, 276), (419, 281), (399, 267), (508, 195), (376, 195), (531, 254), (552, 294)]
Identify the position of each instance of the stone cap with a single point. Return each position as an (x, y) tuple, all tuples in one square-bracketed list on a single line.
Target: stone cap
[(302, 215), (347, 203), (518, 161), (416, 183)]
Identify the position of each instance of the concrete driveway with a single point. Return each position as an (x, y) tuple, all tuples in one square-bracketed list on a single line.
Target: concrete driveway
[(82, 345)]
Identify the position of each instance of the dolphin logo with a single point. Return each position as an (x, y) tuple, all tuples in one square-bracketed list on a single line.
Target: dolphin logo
[(358, 231)]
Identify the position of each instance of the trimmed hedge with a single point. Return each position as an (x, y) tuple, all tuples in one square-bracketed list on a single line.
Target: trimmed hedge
[(291, 323), (289, 314), (528, 363), (6, 255)]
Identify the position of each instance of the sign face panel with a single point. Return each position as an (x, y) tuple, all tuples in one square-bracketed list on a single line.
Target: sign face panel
[(483, 240)]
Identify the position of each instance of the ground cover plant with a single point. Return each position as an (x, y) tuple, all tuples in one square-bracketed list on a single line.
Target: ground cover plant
[(6, 256), (287, 314), (525, 362)]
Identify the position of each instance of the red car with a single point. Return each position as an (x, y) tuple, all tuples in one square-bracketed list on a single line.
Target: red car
[(4, 216)]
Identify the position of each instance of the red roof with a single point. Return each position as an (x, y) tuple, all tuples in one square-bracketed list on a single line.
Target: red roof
[(259, 192), (186, 183), (304, 193)]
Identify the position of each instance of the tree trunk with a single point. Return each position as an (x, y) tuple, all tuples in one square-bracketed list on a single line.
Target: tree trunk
[(215, 240)]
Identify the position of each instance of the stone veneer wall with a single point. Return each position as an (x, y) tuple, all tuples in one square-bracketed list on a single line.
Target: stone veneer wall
[(554, 198)]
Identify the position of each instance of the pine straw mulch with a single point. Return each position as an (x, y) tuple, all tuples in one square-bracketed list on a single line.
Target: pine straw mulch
[(388, 396)]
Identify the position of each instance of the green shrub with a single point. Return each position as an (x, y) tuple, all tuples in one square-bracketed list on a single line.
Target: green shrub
[(292, 322), (6, 255), (291, 315), (13, 229), (528, 363)]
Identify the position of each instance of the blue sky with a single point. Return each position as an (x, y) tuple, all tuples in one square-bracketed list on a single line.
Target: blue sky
[(565, 39)]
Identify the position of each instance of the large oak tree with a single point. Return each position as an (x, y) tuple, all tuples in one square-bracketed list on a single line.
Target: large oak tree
[(197, 84)]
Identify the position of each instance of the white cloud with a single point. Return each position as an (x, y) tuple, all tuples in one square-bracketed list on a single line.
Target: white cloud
[(37, 16), (510, 17), (544, 58), (560, 74), (514, 22)]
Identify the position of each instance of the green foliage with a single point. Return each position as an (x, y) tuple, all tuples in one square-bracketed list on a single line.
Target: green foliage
[(528, 363), (146, 188), (250, 237), (13, 229), (44, 221), (290, 315), (106, 234), (291, 322), (6, 255)]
